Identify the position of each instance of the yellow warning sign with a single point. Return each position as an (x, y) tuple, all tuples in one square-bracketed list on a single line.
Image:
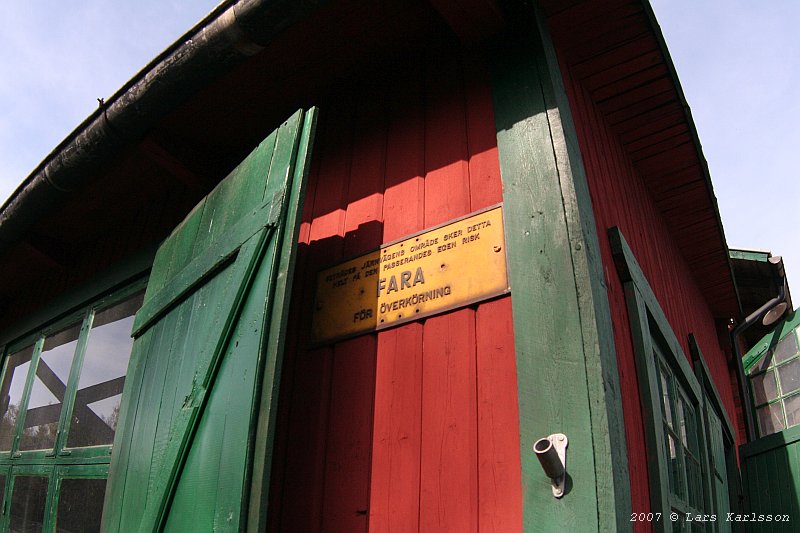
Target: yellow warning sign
[(446, 267)]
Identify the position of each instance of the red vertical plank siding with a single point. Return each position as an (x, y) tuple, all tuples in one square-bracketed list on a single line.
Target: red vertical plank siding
[(620, 198), (413, 428), (448, 485), (499, 474), (347, 464), (485, 184), (307, 409), (394, 490)]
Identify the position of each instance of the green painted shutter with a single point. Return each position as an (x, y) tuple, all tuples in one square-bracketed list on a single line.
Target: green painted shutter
[(207, 349)]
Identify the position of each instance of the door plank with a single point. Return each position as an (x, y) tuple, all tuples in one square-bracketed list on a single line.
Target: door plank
[(394, 487), (191, 332)]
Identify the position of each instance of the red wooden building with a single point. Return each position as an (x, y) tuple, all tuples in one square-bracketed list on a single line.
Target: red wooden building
[(615, 332)]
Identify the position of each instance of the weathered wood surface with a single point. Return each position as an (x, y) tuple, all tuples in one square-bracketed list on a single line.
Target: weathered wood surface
[(184, 449), (621, 198), (439, 451)]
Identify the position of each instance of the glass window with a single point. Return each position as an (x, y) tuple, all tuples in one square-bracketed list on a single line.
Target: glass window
[(770, 418), (790, 376), (11, 391), (105, 363), (680, 425), (786, 348), (80, 505), (2, 487), (765, 387), (675, 404), (792, 405), (60, 399), (28, 504), (774, 381), (49, 389)]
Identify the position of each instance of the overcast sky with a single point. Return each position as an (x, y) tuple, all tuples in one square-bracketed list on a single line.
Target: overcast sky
[(737, 61)]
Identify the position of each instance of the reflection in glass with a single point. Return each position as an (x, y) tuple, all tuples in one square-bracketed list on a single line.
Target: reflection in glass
[(770, 418), (675, 466), (49, 389), (105, 364), (80, 505), (682, 421), (2, 487), (763, 363), (792, 406), (27, 504), (764, 387), (666, 398), (786, 348), (790, 376), (17, 365), (670, 449)]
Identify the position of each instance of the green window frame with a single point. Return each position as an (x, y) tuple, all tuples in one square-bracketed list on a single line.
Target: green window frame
[(65, 461), (723, 487), (773, 368), (673, 402)]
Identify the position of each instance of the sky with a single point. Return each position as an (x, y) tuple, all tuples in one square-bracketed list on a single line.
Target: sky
[(737, 62), (58, 58), (739, 65)]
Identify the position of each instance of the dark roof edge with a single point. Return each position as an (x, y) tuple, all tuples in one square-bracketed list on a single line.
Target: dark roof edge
[(662, 43), (233, 31)]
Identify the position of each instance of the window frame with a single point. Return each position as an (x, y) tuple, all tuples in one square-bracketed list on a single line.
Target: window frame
[(713, 401), (764, 353), (84, 318), (652, 333), (60, 462)]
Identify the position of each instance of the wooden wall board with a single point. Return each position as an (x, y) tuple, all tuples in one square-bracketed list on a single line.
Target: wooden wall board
[(620, 197), (449, 451), (633, 103), (399, 421)]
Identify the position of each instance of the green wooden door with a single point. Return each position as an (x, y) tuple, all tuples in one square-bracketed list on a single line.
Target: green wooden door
[(195, 425)]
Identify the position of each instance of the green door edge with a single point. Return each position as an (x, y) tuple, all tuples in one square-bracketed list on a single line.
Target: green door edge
[(567, 373), (285, 224)]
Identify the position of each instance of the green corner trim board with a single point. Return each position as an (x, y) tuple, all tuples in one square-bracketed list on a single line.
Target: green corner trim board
[(547, 207)]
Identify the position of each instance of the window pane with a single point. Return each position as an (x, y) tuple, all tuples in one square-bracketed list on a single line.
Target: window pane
[(770, 418), (670, 450), (789, 375), (764, 387), (786, 348), (11, 390), (27, 504), (673, 448), (80, 505), (105, 364), (792, 406), (692, 443), (694, 482), (666, 394), (2, 488), (763, 363), (682, 421), (49, 388)]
